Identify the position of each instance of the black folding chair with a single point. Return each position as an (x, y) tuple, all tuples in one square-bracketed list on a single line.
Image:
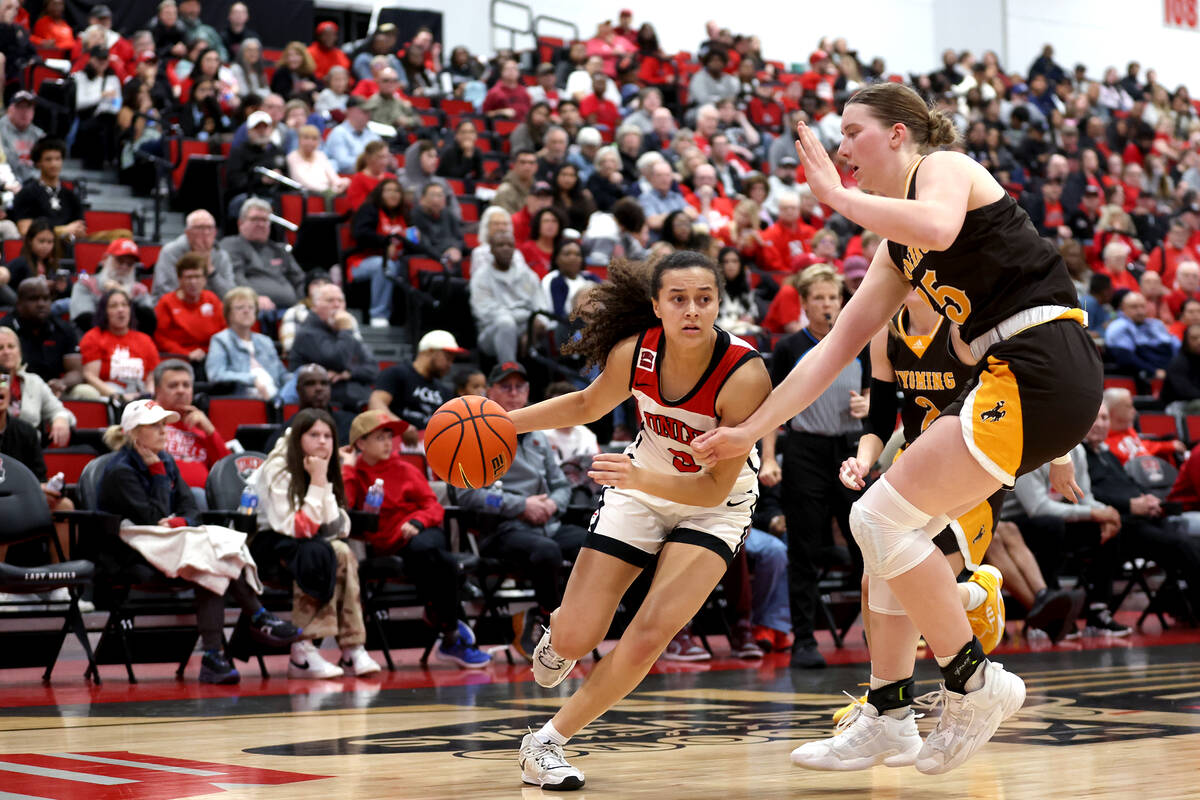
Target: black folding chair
[(27, 519)]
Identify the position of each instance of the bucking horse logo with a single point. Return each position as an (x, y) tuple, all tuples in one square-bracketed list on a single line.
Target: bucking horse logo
[(994, 415)]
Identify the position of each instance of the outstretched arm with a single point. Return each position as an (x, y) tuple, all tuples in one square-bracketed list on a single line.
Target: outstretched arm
[(931, 222), (577, 408), (881, 293)]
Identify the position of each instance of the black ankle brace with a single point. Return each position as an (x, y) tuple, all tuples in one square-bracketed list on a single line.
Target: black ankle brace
[(959, 671), (893, 696)]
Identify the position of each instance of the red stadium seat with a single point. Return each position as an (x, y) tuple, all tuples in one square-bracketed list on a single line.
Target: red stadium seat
[(505, 127), (227, 413), (421, 101), (69, 462), (458, 186), (1158, 426), (419, 265), (191, 147), (88, 255), (1191, 426), (149, 253), (470, 211), (107, 220), (12, 249), (458, 107), (89, 413), (1120, 382), (290, 410)]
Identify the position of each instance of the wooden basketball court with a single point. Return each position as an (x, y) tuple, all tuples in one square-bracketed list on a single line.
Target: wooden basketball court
[(1103, 719)]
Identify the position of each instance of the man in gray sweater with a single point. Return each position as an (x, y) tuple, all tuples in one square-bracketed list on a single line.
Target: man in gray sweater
[(504, 296), (525, 509), (440, 229), (265, 266), (200, 236)]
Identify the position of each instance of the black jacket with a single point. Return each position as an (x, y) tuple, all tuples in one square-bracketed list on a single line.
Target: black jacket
[(438, 235), (131, 491), (240, 174), (21, 441), (1111, 485), (1183, 378)]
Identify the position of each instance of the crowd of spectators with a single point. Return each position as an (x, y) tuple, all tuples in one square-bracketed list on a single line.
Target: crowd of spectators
[(521, 175)]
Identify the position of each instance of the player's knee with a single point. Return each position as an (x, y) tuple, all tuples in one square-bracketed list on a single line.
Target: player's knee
[(644, 641), (889, 531), (573, 639), (881, 599)]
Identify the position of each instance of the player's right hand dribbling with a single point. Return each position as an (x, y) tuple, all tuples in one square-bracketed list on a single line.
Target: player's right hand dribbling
[(853, 473)]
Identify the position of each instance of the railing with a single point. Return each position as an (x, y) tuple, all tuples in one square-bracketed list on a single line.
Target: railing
[(510, 21), (546, 18)]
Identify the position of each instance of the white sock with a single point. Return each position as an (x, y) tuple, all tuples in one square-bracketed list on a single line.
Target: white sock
[(941, 662), (879, 683), (550, 735), (976, 595)]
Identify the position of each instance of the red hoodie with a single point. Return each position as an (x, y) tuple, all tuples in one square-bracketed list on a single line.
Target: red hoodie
[(406, 498), (782, 244), (1187, 486)]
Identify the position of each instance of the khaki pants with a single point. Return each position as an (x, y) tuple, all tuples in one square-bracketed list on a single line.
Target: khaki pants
[(342, 616)]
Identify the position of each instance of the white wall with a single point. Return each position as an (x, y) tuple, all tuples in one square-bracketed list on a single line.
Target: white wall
[(908, 34)]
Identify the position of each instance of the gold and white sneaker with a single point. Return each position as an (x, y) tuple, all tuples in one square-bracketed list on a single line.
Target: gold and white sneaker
[(987, 618)]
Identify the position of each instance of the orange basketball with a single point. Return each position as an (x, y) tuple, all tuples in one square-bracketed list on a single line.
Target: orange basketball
[(470, 442)]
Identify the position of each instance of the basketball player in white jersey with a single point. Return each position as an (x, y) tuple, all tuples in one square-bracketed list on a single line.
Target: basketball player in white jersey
[(657, 340)]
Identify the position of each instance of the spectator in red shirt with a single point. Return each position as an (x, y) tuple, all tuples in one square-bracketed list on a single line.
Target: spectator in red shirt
[(788, 238), (598, 111), (117, 358), (410, 525), (1165, 258), (1187, 286), (610, 47), (325, 51), (1123, 439), (539, 197), (192, 440), (189, 316), (52, 30), (539, 250), (508, 97), (1186, 490), (373, 165)]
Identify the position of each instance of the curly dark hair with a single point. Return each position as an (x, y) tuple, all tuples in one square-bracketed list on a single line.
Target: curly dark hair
[(621, 306), (300, 425)]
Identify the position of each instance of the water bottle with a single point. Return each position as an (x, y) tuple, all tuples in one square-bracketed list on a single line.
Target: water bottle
[(56, 483), (495, 497), (249, 502), (374, 499)]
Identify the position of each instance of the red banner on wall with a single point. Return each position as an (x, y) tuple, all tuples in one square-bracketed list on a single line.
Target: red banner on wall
[(1182, 14)]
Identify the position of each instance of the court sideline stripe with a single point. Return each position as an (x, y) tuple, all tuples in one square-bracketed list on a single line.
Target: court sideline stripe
[(121, 762), (62, 774)]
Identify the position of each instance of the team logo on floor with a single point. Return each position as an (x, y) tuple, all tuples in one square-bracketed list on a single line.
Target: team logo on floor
[(678, 722)]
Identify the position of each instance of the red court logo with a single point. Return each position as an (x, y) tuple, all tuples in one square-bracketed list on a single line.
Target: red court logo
[(120, 775)]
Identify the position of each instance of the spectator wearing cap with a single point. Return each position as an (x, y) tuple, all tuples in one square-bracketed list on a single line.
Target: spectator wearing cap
[(117, 271), (189, 316), (1083, 219), (546, 88), (410, 521), (192, 440), (326, 338), (50, 347), (325, 51), (256, 151), (508, 98), (712, 83), (504, 296), (51, 30), (853, 271), (782, 180), (141, 483), (518, 182), (18, 135), (114, 43), (413, 392), (526, 533), (264, 265), (47, 196), (237, 29), (441, 231), (199, 237), (382, 43), (346, 142), (242, 357)]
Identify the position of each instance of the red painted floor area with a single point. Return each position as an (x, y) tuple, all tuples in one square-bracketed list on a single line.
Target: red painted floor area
[(24, 688)]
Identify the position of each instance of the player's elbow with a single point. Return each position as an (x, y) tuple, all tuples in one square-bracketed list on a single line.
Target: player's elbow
[(941, 233)]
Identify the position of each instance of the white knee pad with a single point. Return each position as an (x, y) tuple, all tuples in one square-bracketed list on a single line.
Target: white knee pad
[(880, 598), (889, 531)]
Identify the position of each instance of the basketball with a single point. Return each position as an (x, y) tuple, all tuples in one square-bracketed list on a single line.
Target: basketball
[(470, 442)]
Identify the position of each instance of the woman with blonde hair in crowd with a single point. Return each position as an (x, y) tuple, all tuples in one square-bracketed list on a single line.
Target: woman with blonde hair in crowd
[(311, 168), (302, 522), (295, 74), (241, 356), (141, 483), (33, 400)]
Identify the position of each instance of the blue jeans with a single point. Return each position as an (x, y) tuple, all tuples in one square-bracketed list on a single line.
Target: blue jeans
[(372, 269), (769, 585)]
